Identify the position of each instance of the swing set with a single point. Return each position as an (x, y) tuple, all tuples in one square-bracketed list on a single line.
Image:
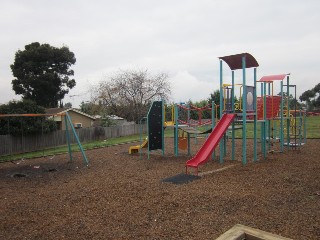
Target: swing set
[(68, 123)]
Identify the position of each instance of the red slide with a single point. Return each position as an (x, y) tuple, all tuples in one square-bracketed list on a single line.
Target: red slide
[(203, 155)]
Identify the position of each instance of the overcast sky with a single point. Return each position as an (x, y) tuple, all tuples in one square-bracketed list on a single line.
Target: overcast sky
[(181, 37)]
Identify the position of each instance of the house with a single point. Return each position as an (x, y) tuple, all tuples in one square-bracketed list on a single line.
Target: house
[(79, 119)]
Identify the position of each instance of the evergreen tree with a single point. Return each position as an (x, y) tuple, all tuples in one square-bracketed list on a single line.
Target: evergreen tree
[(42, 73)]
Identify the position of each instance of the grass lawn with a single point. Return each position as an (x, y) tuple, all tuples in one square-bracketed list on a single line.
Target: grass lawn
[(74, 147), (313, 127), (312, 123)]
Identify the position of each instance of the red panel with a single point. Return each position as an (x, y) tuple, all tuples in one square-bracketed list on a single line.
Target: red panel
[(272, 78), (272, 107)]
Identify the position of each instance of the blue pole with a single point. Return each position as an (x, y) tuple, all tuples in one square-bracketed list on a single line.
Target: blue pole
[(244, 113), (305, 127), (265, 119), (140, 149), (300, 128), (262, 125), (176, 126), (162, 125), (221, 110), (255, 115), (281, 119), (68, 137), (213, 124), (288, 114), (233, 129), (77, 139), (269, 122), (148, 133)]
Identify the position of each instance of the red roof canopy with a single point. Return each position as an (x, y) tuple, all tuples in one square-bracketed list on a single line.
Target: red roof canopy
[(235, 61), (272, 78)]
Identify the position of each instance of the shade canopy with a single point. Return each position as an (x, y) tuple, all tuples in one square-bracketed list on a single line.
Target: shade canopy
[(272, 78), (235, 61)]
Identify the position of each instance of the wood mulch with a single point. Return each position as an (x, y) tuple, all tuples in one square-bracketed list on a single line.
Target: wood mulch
[(123, 197)]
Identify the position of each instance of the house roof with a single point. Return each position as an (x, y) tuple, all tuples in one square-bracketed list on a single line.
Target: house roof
[(64, 110), (112, 117), (54, 110), (115, 117)]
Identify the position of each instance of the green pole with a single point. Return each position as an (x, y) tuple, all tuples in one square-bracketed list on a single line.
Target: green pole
[(68, 137), (140, 149), (77, 139), (233, 111), (213, 124), (305, 127), (255, 115), (265, 119), (221, 110), (281, 119), (262, 125), (288, 117), (162, 125), (300, 128), (176, 144), (244, 113), (148, 133), (269, 121)]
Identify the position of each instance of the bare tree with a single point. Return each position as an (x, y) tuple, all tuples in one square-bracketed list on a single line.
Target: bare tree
[(129, 93)]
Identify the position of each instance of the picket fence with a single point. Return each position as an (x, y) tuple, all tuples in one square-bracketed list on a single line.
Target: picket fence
[(21, 144)]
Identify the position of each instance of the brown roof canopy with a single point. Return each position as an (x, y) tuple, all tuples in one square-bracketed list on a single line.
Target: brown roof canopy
[(235, 61)]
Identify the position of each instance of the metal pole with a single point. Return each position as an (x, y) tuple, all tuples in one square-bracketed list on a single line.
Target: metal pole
[(265, 119), (221, 110), (176, 126), (281, 119), (244, 113), (255, 114), (233, 129), (288, 116), (162, 124), (77, 139), (148, 133), (140, 130), (269, 121), (68, 137), (213, 122), (300, 128), (295, 118), (304, 127)]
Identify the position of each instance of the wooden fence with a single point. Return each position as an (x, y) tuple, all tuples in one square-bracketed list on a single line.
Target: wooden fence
[(13, 144)]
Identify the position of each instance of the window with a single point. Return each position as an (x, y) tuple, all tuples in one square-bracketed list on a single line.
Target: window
[(78, 125)]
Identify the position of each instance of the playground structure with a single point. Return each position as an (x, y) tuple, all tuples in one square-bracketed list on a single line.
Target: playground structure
[(184, 127), (283, 124), (68, 122), (268, 109), (269, 113)]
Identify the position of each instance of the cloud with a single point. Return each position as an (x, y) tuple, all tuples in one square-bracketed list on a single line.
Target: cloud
[(183, 37), (186, 87)]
